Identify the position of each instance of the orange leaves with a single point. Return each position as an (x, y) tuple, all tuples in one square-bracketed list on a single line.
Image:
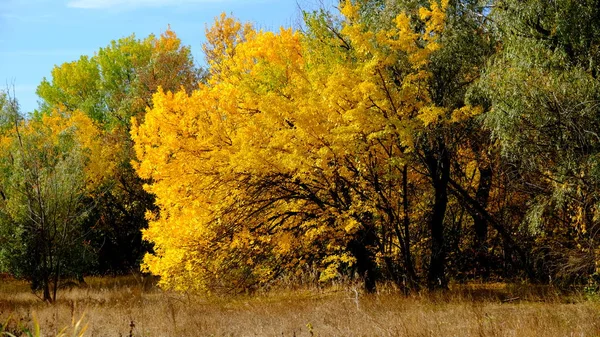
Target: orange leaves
[(168, 41)]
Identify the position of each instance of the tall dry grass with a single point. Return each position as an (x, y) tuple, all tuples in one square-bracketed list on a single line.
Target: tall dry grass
[(121, 307)]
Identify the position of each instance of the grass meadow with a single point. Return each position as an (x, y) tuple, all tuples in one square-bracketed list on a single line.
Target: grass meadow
[(129, 306)]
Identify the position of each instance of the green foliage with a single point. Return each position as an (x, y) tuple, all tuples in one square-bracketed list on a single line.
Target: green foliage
[(111, 87), (117, 83), (544, 90), (47, 168), (75, 85)]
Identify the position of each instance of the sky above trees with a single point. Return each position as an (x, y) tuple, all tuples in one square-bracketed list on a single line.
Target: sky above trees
[(35, 35)]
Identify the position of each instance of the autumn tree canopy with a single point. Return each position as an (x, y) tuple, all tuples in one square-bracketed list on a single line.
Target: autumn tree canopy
[(301, 150), (111, 87), (415, 142)]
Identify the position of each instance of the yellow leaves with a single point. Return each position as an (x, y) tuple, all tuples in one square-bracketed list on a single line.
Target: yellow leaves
[(352, 226), (465, 113), (222, 39), (418, 46), (168, 41), (349, 10), (285, 242), (578, 219), (403, 38), (237, 164), (472, 173), (431, 114), (332, 265), (314, 233), (100, 150), (434, 18)]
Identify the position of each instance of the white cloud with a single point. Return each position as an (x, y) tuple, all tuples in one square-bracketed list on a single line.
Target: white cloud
[(99, 4)]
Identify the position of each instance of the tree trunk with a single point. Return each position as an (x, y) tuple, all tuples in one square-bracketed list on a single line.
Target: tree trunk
[(509, 242), (362, 249), (46, 297), (439, 167), (411, 275), (56, 280), (480, 222), (45, 275)]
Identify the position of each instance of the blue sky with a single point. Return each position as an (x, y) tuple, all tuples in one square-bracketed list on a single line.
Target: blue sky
[(35, 35)]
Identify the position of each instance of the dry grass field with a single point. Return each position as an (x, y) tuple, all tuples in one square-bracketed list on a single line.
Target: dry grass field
[(123, 307)]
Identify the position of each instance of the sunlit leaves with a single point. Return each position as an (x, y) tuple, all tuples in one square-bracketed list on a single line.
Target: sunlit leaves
[(270, 165)]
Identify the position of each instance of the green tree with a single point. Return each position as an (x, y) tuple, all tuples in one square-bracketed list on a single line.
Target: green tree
[(544, 89), (111, 87), (47, 169)]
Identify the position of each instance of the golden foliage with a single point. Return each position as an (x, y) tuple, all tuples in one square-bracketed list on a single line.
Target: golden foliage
[(273, 156), (50, 130)]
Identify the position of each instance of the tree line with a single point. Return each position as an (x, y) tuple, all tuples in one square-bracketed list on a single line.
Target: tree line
[(415, 142)]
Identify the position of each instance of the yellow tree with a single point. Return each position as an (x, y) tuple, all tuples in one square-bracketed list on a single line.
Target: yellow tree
[(296, 152)]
